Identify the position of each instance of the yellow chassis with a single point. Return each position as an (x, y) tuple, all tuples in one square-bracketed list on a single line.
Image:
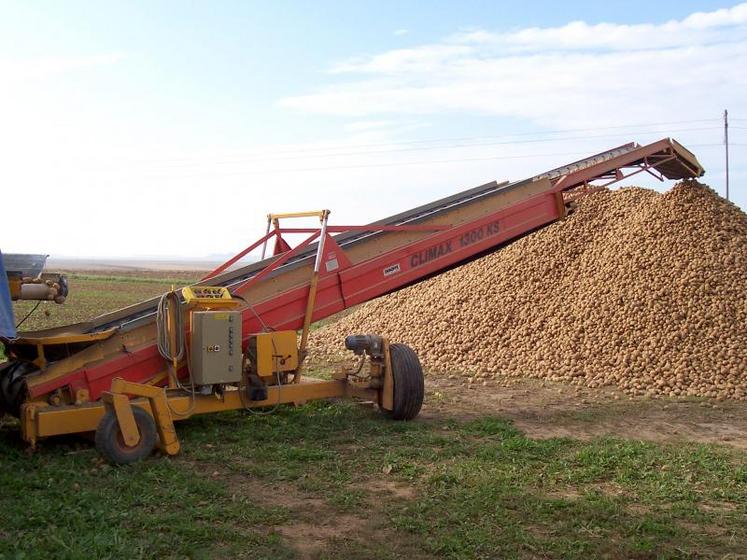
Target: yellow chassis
[(40, 420), (167, 405)]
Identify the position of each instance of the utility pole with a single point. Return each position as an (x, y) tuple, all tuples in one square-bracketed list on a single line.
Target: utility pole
[(726, 144)]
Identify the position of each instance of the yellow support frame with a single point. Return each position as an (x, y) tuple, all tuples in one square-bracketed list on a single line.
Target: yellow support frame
[(308, 214), (117, 400), (41, 420)]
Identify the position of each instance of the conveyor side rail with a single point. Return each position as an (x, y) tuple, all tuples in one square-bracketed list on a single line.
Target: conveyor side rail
[(367, 264)]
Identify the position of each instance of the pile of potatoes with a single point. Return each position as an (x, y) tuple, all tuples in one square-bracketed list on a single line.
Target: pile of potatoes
[(637, 289)]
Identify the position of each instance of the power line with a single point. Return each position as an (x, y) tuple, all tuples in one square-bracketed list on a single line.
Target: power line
[(710, 145), (407, 163), (467, 138), (447, 146), (384, 164)]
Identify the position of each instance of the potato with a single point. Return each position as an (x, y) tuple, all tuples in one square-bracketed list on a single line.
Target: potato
[(637, 289)]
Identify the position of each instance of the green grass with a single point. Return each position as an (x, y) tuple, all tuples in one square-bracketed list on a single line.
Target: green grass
[(244, 485), (178, 282), (66, 505), (481, 489)]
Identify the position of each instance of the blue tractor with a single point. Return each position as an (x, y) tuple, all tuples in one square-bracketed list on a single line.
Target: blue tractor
[(22, 277)]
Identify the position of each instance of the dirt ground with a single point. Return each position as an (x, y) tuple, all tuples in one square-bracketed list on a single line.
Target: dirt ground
[(544, 409), (539, 408)]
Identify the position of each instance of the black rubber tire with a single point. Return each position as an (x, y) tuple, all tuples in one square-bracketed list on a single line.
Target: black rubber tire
[(409, 385), (110, 442), (3, 408), (4, 368), (13, 386)]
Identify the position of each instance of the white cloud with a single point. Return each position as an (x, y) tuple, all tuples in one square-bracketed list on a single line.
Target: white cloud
[(98, 172), (578, 74), (720, 26), (18, 70), (723, 17), (359, 126), (381, 130), (401, 32), (400, 61)]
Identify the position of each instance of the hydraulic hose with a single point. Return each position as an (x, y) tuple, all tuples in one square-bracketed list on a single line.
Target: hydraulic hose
[(166, 328), (164, 343)]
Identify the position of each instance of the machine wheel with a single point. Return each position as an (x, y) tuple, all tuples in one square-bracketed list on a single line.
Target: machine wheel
[(110, 442), (409, 386), (13, 387)]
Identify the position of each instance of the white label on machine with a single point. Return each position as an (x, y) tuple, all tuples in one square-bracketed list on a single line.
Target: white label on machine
[(332, 264), (392, 269)]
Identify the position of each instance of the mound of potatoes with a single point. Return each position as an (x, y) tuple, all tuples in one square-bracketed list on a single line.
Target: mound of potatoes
[(637, 289)]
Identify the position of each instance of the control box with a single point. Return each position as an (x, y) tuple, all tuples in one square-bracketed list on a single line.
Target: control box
[(273, 352), (215, 355)]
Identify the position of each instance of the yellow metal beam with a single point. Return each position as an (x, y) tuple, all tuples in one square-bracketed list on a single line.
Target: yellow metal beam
[(65, 338), (43, 421), (159, 404), (310, 302), (127, 425), (310, 214)]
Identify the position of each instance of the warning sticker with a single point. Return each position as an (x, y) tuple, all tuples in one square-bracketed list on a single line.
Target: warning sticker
[(391, 269)]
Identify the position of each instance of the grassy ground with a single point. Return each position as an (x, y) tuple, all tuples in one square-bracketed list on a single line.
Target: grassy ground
[(477, 489), (337, 480)]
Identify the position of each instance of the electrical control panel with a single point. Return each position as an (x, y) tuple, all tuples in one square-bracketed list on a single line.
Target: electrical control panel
[(273, 352), (215, 353)]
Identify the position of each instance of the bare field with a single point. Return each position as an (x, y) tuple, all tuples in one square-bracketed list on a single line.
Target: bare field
[(546, 409), (492, 469), (131, 265), (93, 293)]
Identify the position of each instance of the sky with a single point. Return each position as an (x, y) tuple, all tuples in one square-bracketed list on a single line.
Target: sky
[(146, 129)]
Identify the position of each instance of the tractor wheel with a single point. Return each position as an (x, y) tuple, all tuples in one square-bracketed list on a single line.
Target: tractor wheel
[(110, 441), (409, 386), (4, 368), (13, 386)]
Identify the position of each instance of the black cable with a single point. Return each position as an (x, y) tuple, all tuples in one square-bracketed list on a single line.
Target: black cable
[(577, 153), (513, 142), (38, 303), (189, 161), (265, 327)]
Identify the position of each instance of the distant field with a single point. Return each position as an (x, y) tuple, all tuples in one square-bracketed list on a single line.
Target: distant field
[(93, 293), (133, 265)]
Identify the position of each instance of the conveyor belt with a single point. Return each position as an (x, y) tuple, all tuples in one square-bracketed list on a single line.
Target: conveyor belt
[(144, 312), (79, 361), (133, 316)]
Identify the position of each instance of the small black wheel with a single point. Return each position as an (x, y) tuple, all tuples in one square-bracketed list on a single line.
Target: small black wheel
[(13, 386), (409, 385), (110, 441)]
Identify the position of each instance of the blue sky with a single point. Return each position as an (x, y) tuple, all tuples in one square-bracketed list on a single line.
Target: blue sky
[(139, 112)]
